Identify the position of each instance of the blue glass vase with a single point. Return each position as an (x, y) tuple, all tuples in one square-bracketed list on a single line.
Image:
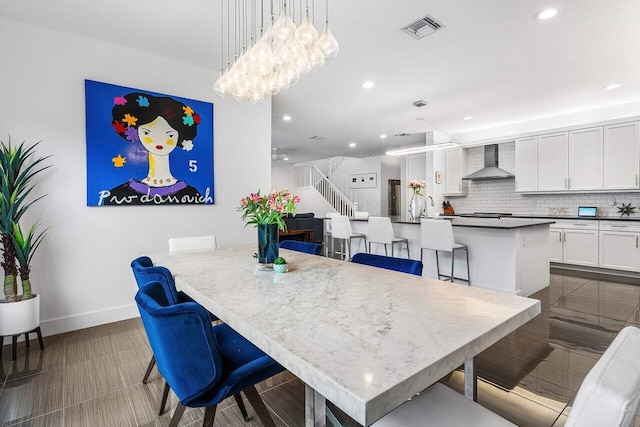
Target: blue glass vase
[(267, 243)]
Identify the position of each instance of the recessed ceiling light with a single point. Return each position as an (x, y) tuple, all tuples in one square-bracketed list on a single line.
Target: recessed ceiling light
[(368, 85), (612, 86), (352, 144), (467, 118), (286, 118), (286, 159), (383, 136), (547, 13)]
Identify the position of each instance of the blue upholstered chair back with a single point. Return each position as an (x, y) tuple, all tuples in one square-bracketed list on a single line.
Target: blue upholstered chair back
[(144, 271), (183, 342), (294, 245), (390, 263)]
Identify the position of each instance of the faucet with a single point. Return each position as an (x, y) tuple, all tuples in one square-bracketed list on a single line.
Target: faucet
[(426, 209)]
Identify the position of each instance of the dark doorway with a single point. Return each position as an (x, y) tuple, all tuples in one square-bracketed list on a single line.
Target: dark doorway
[(394, 197)]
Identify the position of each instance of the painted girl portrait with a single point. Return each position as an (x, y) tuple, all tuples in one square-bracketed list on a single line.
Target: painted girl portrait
[(155, 153)]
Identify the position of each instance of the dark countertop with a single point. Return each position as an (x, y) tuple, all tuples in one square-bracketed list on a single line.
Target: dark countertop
[(567, 217), (502, 223)]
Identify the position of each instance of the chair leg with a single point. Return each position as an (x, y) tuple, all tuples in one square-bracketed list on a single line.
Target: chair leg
[(177, 414), (385, 249), (421, 253), (26, 340), (209, 416), (1, 345), (437, 265), (152, 363), (241, 406), (14, 345), (453, 260), (39, 332), (258, 406), (349, 247), (468, 269), (165, 395)]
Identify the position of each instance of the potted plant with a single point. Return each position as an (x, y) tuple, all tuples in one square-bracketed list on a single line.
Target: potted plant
[(267, 214), (280, 265), (19, 313)]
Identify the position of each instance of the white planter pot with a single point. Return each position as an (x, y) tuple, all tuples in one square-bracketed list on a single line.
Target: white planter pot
[(19, 317)]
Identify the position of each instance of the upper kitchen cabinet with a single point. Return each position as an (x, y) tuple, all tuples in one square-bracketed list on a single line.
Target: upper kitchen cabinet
[(455, 167), (542, 163), (553, 162), (585, 159), (527, 164), (621, 156)]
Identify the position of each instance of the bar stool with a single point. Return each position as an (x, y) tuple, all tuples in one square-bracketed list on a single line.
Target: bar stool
[(328, 235), (381, 231), (341, 229), (437, 235)]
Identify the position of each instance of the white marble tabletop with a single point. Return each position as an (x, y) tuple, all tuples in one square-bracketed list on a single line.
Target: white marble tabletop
[(365, 338)]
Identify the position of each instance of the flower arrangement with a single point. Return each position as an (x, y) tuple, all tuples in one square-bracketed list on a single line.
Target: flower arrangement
[(268, 209), (416, 186)]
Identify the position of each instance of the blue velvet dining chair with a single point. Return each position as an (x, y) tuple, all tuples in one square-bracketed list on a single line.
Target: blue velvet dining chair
[(306, 247), (203, 364), (145, 272), (390, 263)]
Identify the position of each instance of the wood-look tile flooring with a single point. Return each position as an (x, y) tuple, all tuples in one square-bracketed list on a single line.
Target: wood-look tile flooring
[(92, 377)]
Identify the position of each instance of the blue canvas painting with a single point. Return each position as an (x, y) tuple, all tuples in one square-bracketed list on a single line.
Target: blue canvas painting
[(146, 148)]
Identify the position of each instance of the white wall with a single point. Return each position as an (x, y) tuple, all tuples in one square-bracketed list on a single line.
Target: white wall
[(82, 269)]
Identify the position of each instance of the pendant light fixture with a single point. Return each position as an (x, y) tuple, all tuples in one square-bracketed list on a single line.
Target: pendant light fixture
[(267, 62)]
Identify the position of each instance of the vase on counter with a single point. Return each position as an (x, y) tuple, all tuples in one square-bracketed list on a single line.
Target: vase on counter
[(416, 207), (267, 243)]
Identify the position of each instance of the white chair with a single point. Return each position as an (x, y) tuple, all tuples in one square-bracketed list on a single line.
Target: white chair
[(437, 235), (608, 396), (177, 244), (327, 229), (341, 229), (381, 231)]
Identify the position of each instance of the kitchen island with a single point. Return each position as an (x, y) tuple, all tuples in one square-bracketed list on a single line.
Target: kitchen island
[(505, 254)]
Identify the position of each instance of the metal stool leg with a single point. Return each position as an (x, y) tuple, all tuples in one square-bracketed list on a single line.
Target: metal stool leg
[(437, 265), (408, 255), (453, 260), (14, 345), (468, 275), (26, 340)]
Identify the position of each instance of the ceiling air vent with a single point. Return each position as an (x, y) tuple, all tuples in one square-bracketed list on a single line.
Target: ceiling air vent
[(402, 134), (318, 138), (422, 27)]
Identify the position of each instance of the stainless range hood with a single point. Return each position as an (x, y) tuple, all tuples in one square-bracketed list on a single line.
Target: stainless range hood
[(491, 169)]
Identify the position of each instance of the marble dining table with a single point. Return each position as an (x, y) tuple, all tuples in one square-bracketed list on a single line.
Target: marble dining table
[(363, 338)]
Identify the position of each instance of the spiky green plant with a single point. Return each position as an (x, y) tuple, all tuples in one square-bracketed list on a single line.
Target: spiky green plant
[(15, 186), (25, 247)]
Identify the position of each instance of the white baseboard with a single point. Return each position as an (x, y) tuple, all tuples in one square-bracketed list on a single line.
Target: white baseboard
[(87, 320)]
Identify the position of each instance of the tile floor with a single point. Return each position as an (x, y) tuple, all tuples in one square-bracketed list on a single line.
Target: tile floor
[(92, 377)]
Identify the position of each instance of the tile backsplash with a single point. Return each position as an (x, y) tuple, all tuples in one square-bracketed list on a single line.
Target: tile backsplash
[(499, 195)]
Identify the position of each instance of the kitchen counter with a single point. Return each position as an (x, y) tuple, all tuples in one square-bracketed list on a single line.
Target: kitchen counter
[(508, 255), (559, 217), (502, 223)]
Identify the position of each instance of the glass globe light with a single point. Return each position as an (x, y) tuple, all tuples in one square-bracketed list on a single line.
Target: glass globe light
[(221, 86), (284, 54), (272, 84), (291, 71), (283, 28), (283, 81), (328, 44), (316, 58), (306, 34), (302, 64)]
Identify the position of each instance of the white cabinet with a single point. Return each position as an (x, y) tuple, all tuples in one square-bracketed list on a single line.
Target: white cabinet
[(542, 163), (621, 156), (455, 167), (555, 244), (574, 242), (527, 164), (553, 162), (585, 159), (619, 245)]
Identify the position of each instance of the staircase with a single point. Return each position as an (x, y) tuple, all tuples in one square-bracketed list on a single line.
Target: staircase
[(309, 176)]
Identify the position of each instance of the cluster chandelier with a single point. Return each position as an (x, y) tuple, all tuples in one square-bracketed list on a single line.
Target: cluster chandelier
[(265, 62)]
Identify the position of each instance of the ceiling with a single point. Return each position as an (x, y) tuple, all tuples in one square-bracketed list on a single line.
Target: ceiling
[(492, 60)]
